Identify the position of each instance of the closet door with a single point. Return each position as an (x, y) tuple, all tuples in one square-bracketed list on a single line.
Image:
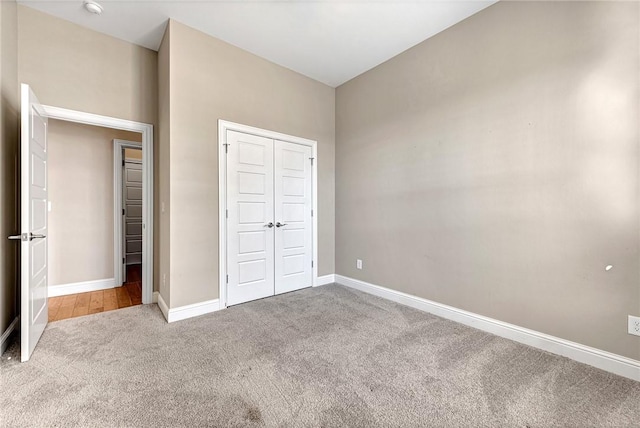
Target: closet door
[(250, 230), (293, 203)]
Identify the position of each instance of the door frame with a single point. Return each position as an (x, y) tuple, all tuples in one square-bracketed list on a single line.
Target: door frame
[(223, 127), (118, 147), (147, 179)]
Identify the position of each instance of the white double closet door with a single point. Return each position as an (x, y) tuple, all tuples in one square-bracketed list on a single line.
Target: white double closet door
[(269, 223)]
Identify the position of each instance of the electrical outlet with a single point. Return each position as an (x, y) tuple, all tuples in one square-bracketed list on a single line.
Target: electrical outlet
[(634, 325), (359, 264)]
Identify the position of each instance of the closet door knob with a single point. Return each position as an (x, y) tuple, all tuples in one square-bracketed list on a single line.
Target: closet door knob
[(269, 225), (278, 224)]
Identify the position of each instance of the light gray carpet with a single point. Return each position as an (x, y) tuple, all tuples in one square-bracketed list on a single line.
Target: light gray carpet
[(323, 357)]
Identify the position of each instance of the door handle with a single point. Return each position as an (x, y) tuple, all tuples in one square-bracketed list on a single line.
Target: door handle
[(269, 225), (278, 224), (26, 237)]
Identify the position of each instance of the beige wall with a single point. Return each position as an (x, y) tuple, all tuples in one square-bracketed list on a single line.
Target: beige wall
[(133, 153), (494, 168), (213, 80), (163, 173), (81, 196), (72, 67), (9, 109)]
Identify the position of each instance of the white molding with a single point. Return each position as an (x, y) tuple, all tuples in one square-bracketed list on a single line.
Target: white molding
[(325, 279), (4, 339), (223, 127), (118, 234), (314, 190), (80, 287), (147, 181), (222, 215), (189, 311), (607, 361), (163, 307)]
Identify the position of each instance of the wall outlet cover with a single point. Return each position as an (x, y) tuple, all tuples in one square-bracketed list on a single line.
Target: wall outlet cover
[(359, 264), (634, 325)]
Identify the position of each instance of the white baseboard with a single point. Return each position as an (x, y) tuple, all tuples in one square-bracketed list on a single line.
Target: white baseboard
[(4, 339), (610, 362), (188, 311), (81, 287), (163, 307), (325, 279)]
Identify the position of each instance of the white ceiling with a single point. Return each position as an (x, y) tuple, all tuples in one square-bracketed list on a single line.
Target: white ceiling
[(328, 40)]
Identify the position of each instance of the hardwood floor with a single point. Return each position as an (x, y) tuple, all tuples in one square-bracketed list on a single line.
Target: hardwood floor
[(76, 305)]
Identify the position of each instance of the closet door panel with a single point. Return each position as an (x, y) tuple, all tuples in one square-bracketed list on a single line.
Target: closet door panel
[(293, 204), (250, 204)]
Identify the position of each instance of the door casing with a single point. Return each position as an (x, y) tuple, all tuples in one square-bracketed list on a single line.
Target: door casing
[(223, 127)]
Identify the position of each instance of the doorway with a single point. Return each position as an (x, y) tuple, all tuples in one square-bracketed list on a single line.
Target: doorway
[(131, 213), (127, 203), (84, 269), (34, 191), (268, 227), (146, 145)]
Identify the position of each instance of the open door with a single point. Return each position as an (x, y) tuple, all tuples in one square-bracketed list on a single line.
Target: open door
[(33, 221)]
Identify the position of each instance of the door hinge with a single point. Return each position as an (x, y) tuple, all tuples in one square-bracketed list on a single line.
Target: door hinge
[(122, 162), (227, 279), (312, 161), (123, 211), (226, 147), (311, 213), (227, 213), (123, 260), (311, 263)]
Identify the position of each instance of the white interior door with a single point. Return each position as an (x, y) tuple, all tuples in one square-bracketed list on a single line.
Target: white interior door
[(250, 231), (33, 222), (294, 227)]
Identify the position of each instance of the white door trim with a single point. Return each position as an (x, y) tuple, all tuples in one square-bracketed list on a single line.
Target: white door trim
[(118, 146), (4, 339), (147, 176), (608, 361), (189, 311), (223, 127), (81, 287)]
